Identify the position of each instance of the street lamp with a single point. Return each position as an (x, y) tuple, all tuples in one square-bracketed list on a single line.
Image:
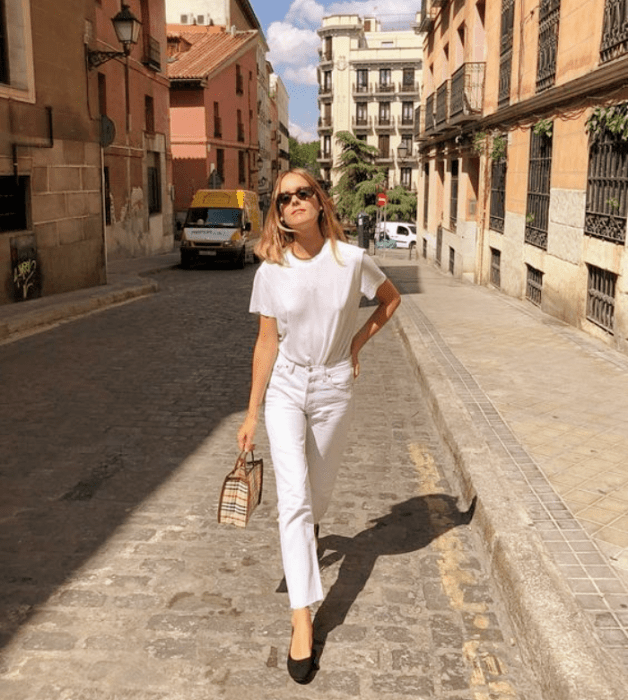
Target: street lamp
[(127, 28), (402, 151)]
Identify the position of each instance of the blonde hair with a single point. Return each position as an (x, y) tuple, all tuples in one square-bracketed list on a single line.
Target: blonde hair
[(276, 236)]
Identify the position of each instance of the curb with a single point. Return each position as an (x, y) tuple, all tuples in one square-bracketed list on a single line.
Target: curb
[(38, 314), (557, 639)]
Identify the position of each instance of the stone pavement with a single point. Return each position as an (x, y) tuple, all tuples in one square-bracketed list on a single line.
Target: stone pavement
[(116, 582), (551, 405)]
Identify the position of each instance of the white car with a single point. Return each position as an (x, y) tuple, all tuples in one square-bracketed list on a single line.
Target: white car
[(403, 233)]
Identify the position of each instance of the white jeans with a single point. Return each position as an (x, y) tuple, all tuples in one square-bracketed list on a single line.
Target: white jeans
[(308, 411)]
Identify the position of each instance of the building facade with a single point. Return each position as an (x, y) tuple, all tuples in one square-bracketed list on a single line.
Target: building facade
[(279, 95), (369, 85), (523, 153), (51, 228), (132, 95), (213, 108)]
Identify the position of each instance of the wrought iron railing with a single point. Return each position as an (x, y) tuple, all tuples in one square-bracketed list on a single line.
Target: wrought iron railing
[(537, 211), (549, 14), (601, 297), (152, 54), (505, 50), (534, 285), (361, 123), (498, 194), (467, 91), (430, 121), (442, 103), (614, 31)]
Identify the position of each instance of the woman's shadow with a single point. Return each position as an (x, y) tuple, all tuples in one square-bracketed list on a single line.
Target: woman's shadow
[(409, 527)]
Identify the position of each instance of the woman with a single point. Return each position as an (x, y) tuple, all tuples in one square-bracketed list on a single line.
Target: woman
[(307, 294)]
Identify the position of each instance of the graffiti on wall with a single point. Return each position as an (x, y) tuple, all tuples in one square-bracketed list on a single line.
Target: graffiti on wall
[(25, 269)]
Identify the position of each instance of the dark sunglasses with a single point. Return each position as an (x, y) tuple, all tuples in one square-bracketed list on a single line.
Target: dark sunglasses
[(302, 193)]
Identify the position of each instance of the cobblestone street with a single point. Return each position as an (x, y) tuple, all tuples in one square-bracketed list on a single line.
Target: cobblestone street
[(116, 582)]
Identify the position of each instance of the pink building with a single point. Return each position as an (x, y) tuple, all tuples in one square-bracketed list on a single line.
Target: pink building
[(213, 109)]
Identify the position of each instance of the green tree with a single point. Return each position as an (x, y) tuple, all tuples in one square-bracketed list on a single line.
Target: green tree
[(360, 179), (304, 155), (401, 205)]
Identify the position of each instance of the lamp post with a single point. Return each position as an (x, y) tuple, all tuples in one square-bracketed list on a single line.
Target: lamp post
[(402, 151), (127, 28)]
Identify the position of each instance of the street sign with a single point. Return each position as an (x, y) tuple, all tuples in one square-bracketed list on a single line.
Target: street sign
[(382, 199)]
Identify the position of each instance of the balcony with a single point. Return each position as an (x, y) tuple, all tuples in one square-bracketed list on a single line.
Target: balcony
[(385, 123), (417, 122), (467, 93), (152, 54), (406, 123), (442, 103), (362, 124), (383, 89), (430, 117), (325, 93), (428, 15), (324, 158), (324, 124), (409, 89), (361, 90), (384, 158), (325, 56)]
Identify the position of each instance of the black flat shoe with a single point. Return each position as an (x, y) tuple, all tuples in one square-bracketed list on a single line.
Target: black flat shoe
[(300, 669)]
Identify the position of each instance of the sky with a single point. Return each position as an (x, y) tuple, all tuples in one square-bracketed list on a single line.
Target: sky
[(290, 29)]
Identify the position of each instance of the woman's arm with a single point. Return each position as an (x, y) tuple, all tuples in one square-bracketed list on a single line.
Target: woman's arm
[(389, 300), (264, 355)]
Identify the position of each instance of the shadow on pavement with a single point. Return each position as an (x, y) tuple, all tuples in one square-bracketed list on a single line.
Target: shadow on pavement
[(404, 277), (409, 527)]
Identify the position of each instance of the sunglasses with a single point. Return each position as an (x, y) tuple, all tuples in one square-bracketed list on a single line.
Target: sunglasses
[(302, 193)]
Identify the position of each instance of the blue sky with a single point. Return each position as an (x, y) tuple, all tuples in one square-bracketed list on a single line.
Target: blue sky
[(290, 29)]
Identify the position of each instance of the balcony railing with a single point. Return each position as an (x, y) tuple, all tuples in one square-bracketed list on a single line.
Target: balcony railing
[(384, 88), (426, 23), (409, 88), (430, 117), (467, 92), (324, 157), (325, 92), (325, 56), (384, 156), (442, 103), (362, 90), (152, 54), (362, 123), (385, 123), (406, 122), (417, 122), (325, 123)]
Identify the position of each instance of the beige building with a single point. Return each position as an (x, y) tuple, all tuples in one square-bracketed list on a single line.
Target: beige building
[(369, 85), (279, 95), (524, 157)]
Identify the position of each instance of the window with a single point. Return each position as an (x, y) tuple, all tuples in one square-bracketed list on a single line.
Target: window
[(327, 55), (241, 167), (607, 186), (220, 163), (327, 81), (107, 194), (601, 297), (4, 46), (408, 79), (549, 13), (537, 212), (534, 285), (406, 142), (614, 31), (217, 121), (407, 113), (496, 258), (362, 80), (361, 111), (239, 80), (406, 177), (154, 183), (498, 193), (384, 113), (149, 114), (16, 60), (384, 78), (384, 146), (327, 146), (505, 51), (13, 203), (453, 195), (426, 193), (240, 125), (424, 249)]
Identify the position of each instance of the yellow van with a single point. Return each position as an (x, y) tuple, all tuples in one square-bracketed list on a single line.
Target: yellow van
[(221, 224)]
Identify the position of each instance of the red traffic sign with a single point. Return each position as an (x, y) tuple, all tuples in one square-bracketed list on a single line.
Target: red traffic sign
[(382, 199)]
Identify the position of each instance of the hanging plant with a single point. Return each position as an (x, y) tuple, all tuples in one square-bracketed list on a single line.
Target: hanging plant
[(479, 142), (543, 128), (498, 150), (610, 120)]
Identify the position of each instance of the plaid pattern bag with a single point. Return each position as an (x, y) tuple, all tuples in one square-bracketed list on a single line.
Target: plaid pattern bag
[(241, 491)]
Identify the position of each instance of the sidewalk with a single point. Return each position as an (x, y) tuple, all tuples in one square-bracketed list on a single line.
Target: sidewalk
[(536, 414)]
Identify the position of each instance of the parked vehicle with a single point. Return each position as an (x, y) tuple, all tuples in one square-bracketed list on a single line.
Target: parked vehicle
[(401, 232), (221, 224)]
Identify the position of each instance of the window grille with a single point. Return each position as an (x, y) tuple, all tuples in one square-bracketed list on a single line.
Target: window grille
[(220, 163), (534, 285), (549, 14), (149, 114), (505, 52), (537, 212), (614, 30), (601, 297), (439, 244), (426, 193), (154, 184), (496, 257), (241, 167), (453, 199), (452, 259), (607, 188), (498, 194)]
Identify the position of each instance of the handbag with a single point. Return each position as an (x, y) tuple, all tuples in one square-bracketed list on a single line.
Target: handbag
[(241, 490)]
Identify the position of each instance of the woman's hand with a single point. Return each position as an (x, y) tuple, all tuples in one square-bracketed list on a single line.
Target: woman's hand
[(355, 349), (246, 434)]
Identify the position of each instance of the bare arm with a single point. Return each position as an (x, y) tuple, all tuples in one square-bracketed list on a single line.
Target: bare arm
[(389, 300), (264, 355)]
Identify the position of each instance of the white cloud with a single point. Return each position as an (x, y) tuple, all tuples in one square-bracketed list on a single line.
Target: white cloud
[(301, 134), (373, 8), (305, 13), (305, 75), (291, 45)]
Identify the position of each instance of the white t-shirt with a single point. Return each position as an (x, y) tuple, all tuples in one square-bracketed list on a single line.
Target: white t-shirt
[(316, 301)]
